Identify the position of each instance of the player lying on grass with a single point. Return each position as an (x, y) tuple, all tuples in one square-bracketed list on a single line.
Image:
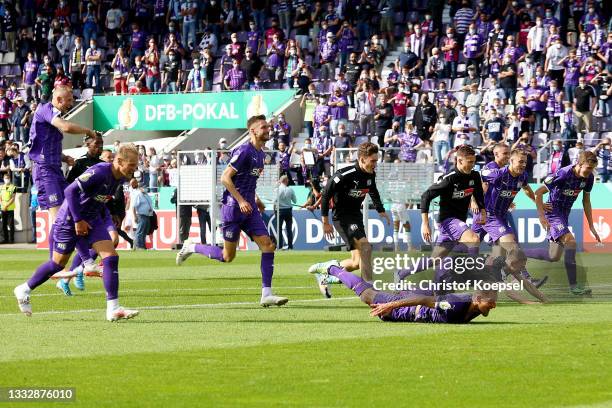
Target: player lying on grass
[(347, 189), (414, 306), (563, 189), (239, 210), (501, 185), (80, 216)]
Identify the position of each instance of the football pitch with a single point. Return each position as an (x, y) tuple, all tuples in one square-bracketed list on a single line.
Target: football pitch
[(201, 340)]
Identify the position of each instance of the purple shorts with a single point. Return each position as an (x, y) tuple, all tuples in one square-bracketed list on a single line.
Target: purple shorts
[(558, 226), (64, 235), (233, 221), (51, 183), (451, 229), (108, 223), (496, 226)]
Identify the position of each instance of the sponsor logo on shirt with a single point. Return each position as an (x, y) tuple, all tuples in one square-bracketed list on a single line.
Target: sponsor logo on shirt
[(256, 172), (358, 193), (571, 192), (103, 198), (507, 193), (463, 193)]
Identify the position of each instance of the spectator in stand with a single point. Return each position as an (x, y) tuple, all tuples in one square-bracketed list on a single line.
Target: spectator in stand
[(30, 70), (604, 153), (339, 105), (196, 78), (425, 117), (138, 89), (558, 157), (8, 192), (276, 58), (584, 104), (120, 71), (365, 100), (18, 120), (235, 79), (171, 73), (93, 62), (450, 47), (45, 81), (6, 111), (151, 59)]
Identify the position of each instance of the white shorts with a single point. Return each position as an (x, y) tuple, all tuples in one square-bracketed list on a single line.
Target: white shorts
[(399, 212)]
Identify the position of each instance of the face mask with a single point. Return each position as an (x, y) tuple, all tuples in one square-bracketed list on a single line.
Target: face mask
[(171, 29), (321, 100), (497, 26), (558, 46), (427, 18), (556, 148), (528, 6), (514, 3), (568, 110), (223, 145), (172, 57), (463, 141), (67, 33), (539, 23), (6, 181), (472, 31), (307, 145), (449, 35), (553, 88), (212, 3), (582, 86), (196, 66), (548, 15), (322, 133)]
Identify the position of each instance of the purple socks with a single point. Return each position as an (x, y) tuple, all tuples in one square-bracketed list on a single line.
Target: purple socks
[(43, 273), (211, 251), (570, 265), (353, 282), (110, 277), (267, 269)]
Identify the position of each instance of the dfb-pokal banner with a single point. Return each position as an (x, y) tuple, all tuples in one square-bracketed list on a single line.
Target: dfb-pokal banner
[(219, 110)]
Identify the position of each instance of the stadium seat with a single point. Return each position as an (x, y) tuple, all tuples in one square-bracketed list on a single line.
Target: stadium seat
[(87, 94), (486, 84), (591, 139), (457, 84), (8, 58), (460, 97), (427, 85), (540, 139), (509, 109), (410, 112)]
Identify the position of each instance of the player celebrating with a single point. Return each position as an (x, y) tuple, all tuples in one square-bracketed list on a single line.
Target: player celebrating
[(502, 185), (81, 216), (46, 148), (239, 210), (563, 188), (348, 188), (455, 190)]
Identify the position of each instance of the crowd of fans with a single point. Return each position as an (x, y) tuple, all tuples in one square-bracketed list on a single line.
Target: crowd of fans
[(519, 72)]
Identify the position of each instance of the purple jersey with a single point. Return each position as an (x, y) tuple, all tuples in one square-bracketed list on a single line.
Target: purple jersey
[(96, 187), (564, 187), (31, 70), (45, 139), (339, 112), (321, 113), (453, 308), (253, 38), (502, 189), (248, 163), (407, 143)]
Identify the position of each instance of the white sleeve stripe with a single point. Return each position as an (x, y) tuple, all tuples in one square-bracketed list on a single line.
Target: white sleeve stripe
[(80, 186), (342, 172), (449, 174)]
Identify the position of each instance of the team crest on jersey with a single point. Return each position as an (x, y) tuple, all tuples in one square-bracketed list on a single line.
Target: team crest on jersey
[(86, 176), (369, 183), (548, 180), (519, 184), (353, 227), (582, 184), (471, 183)]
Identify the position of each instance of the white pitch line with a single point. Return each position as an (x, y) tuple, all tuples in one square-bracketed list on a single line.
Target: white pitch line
[(159, 290), (193, 306)]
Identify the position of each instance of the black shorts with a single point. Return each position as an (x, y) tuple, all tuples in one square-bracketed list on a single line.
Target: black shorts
[(350, 228), (5, 126)]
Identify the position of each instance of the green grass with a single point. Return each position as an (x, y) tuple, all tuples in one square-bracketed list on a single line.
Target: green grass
[(201, 340)]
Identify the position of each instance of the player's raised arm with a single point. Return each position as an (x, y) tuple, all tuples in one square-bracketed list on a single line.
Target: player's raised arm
[(415, 300)]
